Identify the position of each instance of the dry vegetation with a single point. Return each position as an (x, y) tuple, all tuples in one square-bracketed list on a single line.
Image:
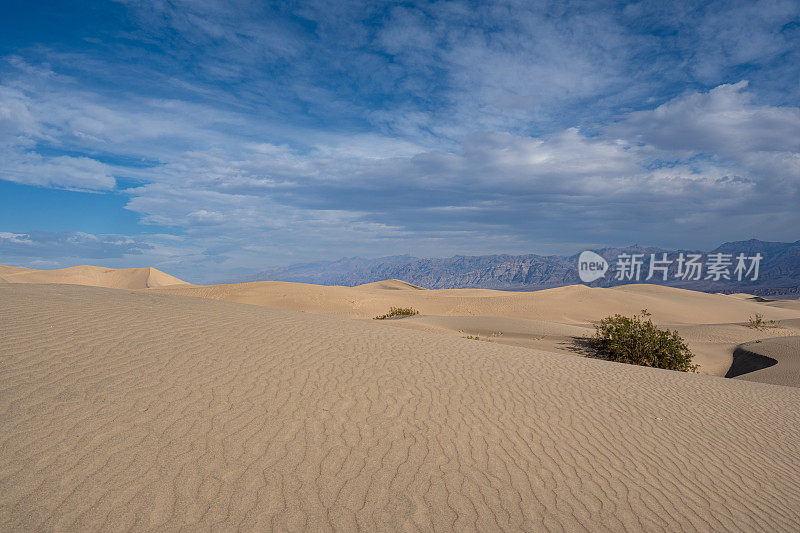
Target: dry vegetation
[(398, 312)]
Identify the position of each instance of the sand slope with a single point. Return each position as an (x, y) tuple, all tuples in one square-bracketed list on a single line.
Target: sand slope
[(785, 304), (392, 285), (713, 345), (124, 409), (774, 360), (117, 278), (548, 320), (529, 319), (574, 304)]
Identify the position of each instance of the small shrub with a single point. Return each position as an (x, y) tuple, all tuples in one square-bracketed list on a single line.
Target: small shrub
[(474, 338), (757, 321), (398, 312), (637, 341)]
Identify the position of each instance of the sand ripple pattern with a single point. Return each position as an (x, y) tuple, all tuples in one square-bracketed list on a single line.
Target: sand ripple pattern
[(125, 410)]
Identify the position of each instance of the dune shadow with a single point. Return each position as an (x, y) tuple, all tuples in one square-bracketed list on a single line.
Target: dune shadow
[(746, 361)]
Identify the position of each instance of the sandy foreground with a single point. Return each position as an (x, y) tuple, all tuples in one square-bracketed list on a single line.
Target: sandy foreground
[(133, 409)]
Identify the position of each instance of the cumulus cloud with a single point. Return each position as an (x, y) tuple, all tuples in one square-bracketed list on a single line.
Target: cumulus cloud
[(50, 245), (757, 143), (302, 133), (723, 120)]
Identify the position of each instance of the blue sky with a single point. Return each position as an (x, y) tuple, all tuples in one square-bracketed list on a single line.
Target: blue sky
[(212, 139)]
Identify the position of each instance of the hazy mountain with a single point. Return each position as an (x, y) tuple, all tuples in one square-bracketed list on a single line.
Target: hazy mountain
[(779, 270)]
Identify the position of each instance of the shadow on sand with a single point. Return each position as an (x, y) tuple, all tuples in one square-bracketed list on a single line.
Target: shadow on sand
[(746, 361), (583, 346)]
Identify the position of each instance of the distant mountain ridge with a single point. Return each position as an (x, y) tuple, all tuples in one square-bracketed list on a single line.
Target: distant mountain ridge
[(779, 272)]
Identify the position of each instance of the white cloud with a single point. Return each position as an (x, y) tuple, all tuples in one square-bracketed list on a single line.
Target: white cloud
[(227, 188), (15, 238), (433, 129), (16, 119), (723, 120), (67, 244), (64, 172)]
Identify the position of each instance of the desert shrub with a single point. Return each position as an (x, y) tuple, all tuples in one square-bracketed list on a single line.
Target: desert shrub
[(473, 337), (396, 312), (757, 321), (637, 341)]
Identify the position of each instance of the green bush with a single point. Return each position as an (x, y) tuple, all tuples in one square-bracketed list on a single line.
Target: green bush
[(398, 312), (637, 341), (757, 321)]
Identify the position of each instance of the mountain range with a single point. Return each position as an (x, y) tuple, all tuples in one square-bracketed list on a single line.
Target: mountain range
[(779, 270)]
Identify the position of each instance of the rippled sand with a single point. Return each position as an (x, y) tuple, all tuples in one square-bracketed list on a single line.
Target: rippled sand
[(128, 409)]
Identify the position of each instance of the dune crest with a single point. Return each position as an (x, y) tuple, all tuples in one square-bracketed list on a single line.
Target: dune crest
[(391, 285), (775, 360), (113, 278), (574, 304)]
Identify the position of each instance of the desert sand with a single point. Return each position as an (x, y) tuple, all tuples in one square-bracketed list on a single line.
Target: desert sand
[(775, 360), (552, 320), (555, 320), (576, 304), (133, 409), (117, 278)]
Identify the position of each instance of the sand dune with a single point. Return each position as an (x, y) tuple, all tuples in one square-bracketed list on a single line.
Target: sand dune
[(713, 324), (713, 345), (391, 285), (775, 360), (123, 409), (743, 296), (538, 334), (494, 327), (13, 270), (117, 278), (785, 304), (575, 304), (707, 321)]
